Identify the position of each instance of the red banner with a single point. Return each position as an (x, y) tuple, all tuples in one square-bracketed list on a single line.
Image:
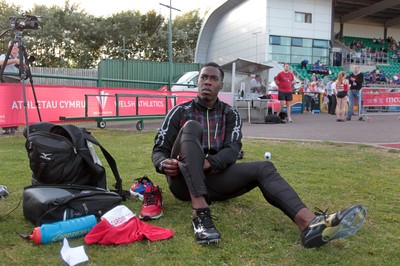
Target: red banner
[(380, 97), (56, 101)]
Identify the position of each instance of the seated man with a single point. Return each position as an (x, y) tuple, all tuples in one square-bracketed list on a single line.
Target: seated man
[(255, 85), (196, 148)]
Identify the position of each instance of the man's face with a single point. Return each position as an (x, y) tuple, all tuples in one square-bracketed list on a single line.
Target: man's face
[(356, 69), (209, 84), (15, 48), (286, 67)]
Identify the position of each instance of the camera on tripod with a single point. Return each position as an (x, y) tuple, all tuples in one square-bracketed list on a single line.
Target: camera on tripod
[(23, 22)]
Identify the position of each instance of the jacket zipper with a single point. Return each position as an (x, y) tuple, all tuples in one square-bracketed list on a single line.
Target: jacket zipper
[(208, 134)]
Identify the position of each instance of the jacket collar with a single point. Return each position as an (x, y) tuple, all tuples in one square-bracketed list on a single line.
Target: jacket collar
[(199, 104)]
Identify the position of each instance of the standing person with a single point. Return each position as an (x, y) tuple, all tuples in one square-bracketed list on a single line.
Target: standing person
[(11, 66), (285, 80), (309, 97), (331, 98), (196, 148), (341, 87), (356, 82)]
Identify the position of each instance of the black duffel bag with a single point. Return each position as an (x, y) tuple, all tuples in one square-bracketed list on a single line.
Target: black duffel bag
[(52, 203)]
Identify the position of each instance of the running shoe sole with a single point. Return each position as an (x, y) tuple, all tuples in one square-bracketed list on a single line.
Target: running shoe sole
[(148, 218), (211, 241), (351, 221)]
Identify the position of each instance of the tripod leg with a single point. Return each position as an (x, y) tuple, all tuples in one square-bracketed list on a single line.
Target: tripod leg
[(22, 76), (29, 75)]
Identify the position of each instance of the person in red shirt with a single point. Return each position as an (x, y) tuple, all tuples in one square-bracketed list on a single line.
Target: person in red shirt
[(285, 80)]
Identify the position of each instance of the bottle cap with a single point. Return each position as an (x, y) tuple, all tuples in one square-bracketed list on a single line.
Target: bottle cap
[(36, 236)]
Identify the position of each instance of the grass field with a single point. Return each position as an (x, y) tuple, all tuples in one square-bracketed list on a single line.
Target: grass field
[(326, 175)]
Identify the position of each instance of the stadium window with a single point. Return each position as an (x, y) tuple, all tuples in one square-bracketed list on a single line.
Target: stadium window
[(276, 40), (303, 17), (297, 42), (320, 44)]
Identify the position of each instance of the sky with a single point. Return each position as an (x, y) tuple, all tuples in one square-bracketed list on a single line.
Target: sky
[(109, 7)]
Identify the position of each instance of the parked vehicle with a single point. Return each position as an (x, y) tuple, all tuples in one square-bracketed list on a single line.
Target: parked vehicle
[(189, 78)]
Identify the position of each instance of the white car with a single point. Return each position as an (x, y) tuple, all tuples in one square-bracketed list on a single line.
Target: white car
[(189, 78)]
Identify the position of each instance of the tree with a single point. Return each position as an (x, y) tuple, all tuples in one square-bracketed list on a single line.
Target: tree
[(6, 11), (185, 33), (71, 38)]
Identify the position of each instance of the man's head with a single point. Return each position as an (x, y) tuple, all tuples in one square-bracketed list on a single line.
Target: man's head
[(15, 48), (210, 82), (286, 67), (356, 69)]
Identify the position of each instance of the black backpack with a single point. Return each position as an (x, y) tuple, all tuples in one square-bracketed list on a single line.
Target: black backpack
[(59, 154)]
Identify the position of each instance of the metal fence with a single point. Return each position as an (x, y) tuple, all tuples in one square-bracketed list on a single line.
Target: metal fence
[(70, 72), (378, 101)]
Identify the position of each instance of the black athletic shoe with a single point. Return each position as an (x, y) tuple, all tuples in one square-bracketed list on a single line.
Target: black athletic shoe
[(204, 229), (325, 228)]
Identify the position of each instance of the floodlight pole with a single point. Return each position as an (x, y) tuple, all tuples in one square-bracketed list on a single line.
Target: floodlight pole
[(170, 41)]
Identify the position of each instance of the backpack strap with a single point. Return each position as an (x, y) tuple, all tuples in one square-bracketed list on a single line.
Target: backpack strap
[(111, 162)]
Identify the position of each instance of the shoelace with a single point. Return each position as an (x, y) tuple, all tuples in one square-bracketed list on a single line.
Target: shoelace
[(206, 219), (142, 180), (150, 198), (318, 211)]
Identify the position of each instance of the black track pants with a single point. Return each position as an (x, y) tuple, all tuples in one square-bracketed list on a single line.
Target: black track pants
[(236, 180)]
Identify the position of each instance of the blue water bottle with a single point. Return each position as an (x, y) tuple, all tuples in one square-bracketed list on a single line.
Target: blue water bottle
[(57, 231)]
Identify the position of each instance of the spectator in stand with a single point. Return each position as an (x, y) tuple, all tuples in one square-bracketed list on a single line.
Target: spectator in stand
[(396, 79), (356, 80), (301, 88), (304, 64), (341, 86), (319, 87)]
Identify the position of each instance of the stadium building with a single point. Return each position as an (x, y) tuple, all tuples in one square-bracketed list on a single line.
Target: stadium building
[(271, 32)]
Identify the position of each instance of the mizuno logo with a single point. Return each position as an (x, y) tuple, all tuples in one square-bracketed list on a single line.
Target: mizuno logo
[(45, 156), (199, 230)]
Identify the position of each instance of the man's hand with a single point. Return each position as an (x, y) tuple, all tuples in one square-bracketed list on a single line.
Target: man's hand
[(170, 167), (206, 165)]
